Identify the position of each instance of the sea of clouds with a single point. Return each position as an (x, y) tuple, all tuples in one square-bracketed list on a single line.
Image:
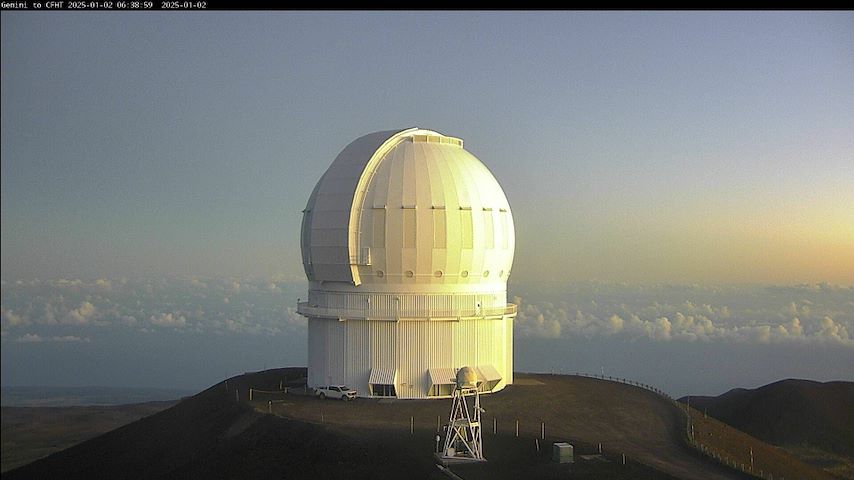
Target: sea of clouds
[(191, 332), (75, 310), (818, 313)]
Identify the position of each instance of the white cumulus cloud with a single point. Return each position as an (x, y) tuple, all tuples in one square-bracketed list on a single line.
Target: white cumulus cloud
[(168, 320), (82, 315), (35, 338), (803, 313)]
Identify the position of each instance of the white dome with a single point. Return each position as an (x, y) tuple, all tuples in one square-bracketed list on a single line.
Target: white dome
[(467, 378), (409, 207)]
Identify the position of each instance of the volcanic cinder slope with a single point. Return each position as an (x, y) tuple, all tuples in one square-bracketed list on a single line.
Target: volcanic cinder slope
[(790, 412), (30, 433), (814, 420), (219, 433)]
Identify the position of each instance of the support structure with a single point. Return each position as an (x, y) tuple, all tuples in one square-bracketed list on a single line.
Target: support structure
[(463, 438)]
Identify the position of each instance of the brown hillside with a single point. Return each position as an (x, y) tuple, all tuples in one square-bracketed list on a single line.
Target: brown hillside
[(790, 412), (30, 433), (811, 420), (220, 434)]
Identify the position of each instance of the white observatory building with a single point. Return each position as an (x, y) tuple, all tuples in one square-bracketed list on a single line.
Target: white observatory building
[(407, 242)]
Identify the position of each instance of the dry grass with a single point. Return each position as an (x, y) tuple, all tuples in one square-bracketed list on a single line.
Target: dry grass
[(739, 450)]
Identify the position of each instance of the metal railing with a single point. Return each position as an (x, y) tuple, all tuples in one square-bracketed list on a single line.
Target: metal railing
[(304, 308), (719, 456)]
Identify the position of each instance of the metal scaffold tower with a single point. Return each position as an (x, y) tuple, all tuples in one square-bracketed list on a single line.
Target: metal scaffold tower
[(463, 437)]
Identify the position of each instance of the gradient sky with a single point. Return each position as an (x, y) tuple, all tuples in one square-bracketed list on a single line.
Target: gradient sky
[(164, 159), (639, 147)]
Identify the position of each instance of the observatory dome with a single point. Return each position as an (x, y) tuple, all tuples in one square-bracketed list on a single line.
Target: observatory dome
[(407, 242), (409, 207)]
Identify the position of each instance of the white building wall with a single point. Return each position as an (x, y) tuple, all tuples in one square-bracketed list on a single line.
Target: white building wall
[(345, 351), (508, 354), (360, 352)]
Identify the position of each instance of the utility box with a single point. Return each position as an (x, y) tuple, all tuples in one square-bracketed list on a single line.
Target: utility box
[(563, 452)]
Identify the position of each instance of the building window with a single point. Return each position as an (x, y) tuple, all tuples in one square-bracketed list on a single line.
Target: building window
[(442, 390), (383, 390)]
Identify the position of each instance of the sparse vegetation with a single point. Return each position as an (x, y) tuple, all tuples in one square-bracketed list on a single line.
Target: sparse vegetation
[(220, 433), (739, 450), (810, 420)]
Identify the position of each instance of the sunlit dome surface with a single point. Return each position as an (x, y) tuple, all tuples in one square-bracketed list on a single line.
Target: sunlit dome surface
[(407, 243), (408, 207)]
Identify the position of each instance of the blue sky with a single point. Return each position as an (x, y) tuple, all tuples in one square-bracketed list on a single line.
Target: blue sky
[(638, 150), (656, 146)]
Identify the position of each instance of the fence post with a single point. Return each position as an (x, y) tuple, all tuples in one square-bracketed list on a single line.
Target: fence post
[(751, 459)]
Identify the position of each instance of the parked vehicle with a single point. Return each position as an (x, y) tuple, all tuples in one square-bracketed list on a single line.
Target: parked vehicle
[(335, 391)]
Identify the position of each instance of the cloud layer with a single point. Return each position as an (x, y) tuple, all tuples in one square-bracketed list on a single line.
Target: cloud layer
[(77, 311), (60, 310), (801, 313)]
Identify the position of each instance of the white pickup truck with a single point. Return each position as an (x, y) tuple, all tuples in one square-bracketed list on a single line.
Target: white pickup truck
[(335, 391)]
